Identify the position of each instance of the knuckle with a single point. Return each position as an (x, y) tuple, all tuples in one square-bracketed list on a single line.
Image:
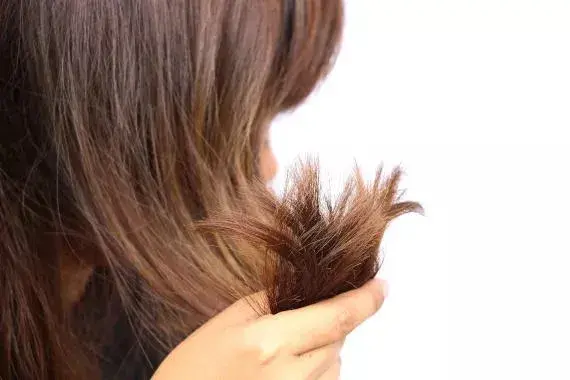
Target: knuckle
[(267, 351), (238, 305), (345, 322), (260, 345)]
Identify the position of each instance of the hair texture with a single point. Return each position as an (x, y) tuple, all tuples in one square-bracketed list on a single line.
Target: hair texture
[(122, 124), (317, 248), (129, 143)]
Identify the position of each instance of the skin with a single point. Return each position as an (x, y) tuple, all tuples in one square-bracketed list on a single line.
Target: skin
[(75, 274), (302, 344), (299, 344), (267, 160)]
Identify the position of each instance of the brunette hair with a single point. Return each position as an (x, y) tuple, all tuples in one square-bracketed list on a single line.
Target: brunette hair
[(315, 246), (122, 125)]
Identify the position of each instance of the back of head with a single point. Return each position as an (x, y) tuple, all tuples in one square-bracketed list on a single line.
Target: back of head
[(122, 123)]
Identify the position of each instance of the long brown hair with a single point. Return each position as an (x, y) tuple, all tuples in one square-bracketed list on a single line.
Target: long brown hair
[(122, 123)]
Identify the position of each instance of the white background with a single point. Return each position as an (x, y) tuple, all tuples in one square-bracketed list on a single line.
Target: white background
[(472, 98)]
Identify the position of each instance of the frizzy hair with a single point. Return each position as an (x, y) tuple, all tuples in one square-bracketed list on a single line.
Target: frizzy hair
[(316, 247), (123, 125)]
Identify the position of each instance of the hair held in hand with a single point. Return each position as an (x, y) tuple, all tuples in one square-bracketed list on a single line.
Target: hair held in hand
[(130, 135), (316, 248)]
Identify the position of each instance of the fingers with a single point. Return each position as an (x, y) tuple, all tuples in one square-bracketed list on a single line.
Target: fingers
[(314, 364), (332, 372), (318, 325)]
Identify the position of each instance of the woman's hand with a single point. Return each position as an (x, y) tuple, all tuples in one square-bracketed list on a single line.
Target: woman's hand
[(299, 344)]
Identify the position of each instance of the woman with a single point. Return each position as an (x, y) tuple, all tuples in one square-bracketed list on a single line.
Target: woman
[(122, 123)]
